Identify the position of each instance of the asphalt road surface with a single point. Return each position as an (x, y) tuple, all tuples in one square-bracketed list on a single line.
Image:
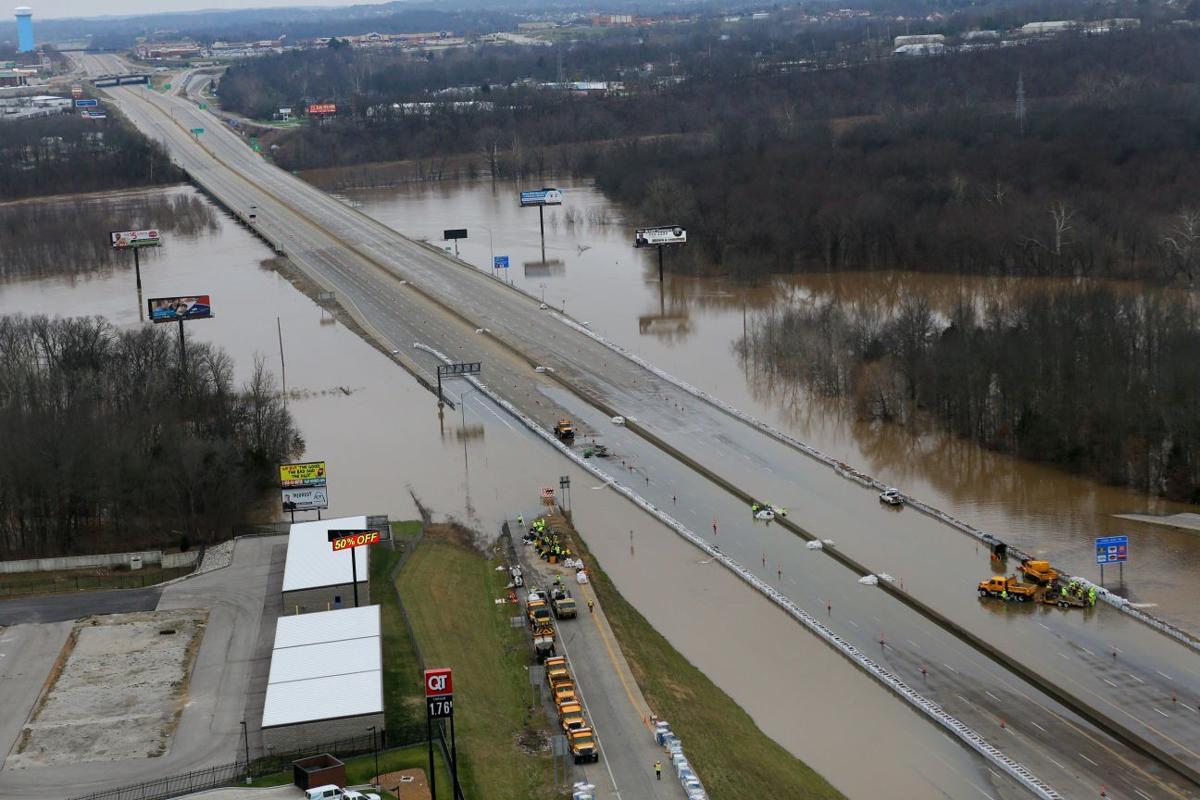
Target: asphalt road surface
[(59, 607), (400, 292)]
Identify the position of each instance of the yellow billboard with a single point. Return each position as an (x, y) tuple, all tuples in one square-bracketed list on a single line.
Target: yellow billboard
[(309, 473)]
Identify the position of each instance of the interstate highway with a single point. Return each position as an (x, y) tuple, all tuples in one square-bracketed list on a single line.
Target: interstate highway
[(363, 262)]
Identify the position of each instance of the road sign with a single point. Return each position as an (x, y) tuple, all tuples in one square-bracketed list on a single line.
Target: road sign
[(204, 106), (440, 707), (439, 682), (350, 539), (454, 233), (87, 103), (472, 368), (500, 262), (1112, 549), (197, 131)]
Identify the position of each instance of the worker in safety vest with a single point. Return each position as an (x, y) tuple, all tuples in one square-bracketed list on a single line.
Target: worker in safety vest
[(520, 520), (1004, 594), (1092, 595)]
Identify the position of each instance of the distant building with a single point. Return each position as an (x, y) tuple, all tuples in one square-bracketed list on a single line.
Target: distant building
[(918, 39), (981, 36), (12, 77), (25, 30), (1048, 28), (928, 49)]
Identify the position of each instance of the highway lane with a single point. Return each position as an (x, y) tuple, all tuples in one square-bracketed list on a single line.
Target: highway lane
[(707, 431)]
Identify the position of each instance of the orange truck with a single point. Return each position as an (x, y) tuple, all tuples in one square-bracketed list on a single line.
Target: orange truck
[(1039, 572), (1007, 589), (570, 716), (582, 742)]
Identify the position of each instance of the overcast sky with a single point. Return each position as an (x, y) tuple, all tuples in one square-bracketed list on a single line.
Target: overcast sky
[(47, 9)]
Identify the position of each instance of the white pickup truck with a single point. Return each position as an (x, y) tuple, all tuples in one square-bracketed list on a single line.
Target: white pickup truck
[(332, 792)]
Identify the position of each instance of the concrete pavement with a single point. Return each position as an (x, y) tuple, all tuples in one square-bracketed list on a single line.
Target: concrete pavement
[(27, 654), (61, 607)]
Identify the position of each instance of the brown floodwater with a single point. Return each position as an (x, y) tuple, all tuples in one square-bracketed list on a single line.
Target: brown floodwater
[(383, 442), (688, 327)]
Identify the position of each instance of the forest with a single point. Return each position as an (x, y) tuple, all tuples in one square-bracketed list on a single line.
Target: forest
[(109, 444), (1098, 380), (66, 154)]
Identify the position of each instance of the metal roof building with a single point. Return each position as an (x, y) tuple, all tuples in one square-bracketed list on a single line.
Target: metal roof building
[(315, 578), (326, 679)]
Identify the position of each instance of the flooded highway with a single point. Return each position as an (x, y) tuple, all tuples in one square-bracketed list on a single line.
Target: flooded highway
[(689, 326), (381, 436)]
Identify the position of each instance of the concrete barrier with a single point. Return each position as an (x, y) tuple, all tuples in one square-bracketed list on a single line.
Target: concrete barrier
[(955, 727), (167, 560)]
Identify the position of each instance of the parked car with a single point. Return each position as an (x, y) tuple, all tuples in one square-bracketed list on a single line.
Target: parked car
[(891, 496)]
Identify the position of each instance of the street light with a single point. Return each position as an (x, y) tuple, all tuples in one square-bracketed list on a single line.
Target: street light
[(375, 747)]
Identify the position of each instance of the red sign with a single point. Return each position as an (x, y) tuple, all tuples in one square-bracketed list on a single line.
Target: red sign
[(438, 682), (322, 108), (346, 540)]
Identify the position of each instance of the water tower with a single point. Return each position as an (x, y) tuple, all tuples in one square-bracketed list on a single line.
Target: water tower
[(25, 30)]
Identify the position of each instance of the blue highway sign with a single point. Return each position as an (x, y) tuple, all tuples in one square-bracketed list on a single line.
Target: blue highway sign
[(1112, 549)]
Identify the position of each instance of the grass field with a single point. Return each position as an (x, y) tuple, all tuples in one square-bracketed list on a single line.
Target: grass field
[(402, 696), (360, 769), (78, 580), (735, 760), (449, 591)]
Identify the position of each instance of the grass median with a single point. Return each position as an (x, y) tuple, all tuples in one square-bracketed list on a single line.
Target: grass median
[(734, 758)]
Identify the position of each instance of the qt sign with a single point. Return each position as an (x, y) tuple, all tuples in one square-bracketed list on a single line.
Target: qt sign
[(438, 682)]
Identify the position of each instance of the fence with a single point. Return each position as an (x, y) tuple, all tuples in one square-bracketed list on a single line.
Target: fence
[(47, 583), (168, 560)]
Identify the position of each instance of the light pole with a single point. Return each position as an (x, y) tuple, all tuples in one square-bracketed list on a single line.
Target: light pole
[(375, 747), (246, 742)]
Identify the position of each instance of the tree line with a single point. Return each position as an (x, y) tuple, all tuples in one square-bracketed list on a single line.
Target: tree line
[(111, 445), (1097, 380)]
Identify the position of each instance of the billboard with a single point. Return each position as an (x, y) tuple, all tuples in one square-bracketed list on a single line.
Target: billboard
[(454, 233), (657, 237), (348, 540), (541, 197), (178, 309), (87, 103), (317, 109), (305, 498), (439, 682), (1112, 549), (124, 239), (308, 473)]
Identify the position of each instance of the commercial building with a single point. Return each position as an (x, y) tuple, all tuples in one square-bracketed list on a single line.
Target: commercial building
[(326, 679), (25, 30), (12, 77), (315, 578)]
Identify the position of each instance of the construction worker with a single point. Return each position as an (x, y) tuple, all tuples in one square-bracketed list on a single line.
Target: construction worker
[(1004, 594), (591, 607), (520, 520), (1092, 595), (658, 770), (1063, 591)]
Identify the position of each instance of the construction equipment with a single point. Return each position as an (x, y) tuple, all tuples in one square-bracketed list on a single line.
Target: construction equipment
[(1039, 571), (597, 450), (570, 716), (1009, 588), (543, 642), (556, 670), (563, 604), (583, 745), (564, 692), (565, 429)]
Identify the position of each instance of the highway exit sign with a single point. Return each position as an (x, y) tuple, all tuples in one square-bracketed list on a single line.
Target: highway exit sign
[(197, 131), (204, 106)]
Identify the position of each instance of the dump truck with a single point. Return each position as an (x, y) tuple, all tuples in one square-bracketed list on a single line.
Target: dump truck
[(570, 716), (537, 611), (564, 692), (543, 642), (563, 604), (1039, 572), (556, 670), (1007, 588), (583, 745), (565, 429)]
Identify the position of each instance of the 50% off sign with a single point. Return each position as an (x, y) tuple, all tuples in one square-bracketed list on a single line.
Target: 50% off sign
[(347, 540)]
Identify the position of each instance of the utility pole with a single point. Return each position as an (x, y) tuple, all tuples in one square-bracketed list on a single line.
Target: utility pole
[(1020, 110), (282, 365)]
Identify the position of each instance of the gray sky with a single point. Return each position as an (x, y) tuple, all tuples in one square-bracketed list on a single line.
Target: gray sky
[(47, 9)]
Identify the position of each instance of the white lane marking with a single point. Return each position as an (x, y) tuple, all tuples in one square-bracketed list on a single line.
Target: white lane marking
[(1165, 714), (1110, 683), (981, 791), (1085, 758), (1135, 677), (1165, 675), (1060, 765), (989, 694), (1068, 658), (1089, 652), (914, 644), (947, 666), (965, 700), (1047, 627), (1140, 793), (1039, 727), (852, 622)]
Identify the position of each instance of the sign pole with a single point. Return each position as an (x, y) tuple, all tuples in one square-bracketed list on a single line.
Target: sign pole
[(432, 774), (182, 348), (454, 762), (542, 225), (353, 568), (660, 263), (137, 268), (1101, 574)]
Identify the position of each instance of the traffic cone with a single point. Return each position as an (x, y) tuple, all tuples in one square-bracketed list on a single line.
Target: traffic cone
[(1002, 725)]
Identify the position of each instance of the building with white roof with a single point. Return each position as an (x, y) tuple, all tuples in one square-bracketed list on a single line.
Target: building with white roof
[(326, 679), (315, 578)]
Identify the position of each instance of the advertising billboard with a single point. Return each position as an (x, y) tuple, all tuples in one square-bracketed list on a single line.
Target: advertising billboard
[(541, 197), (308, 473), (306, 498), (348, 540), (177, 309), (657, 237), (317, 109), (124, 239), (454, 233)]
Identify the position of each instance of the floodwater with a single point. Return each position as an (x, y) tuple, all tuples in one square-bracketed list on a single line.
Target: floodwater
[(688, 326), (382, 439)]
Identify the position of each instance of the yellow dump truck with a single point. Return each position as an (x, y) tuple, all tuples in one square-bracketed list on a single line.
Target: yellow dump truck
[(564, 692), (1039, 572), (537, 611), (583, 745), (543, 642), (570, 716), (565, 429), (1007, 589)]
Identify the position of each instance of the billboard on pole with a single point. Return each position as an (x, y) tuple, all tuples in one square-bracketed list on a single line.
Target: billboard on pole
[(657, 237), (308, 473), (350, 539), (124, 239), (175, 309), (305, 498), (317, 109), (541, 197)]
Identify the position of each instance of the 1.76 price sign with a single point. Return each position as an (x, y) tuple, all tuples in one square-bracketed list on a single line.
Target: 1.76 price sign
[(440, 707)]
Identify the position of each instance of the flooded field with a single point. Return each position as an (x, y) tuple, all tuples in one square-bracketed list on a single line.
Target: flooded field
[(384, 442), (688, 326)]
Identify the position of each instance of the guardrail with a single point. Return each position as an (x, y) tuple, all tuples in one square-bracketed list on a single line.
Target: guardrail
[(955, 727)]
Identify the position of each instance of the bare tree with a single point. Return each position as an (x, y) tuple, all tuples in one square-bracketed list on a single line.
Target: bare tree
[(1182, 241)]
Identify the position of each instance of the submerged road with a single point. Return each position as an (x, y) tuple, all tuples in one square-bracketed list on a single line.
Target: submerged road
[(401, 291)]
